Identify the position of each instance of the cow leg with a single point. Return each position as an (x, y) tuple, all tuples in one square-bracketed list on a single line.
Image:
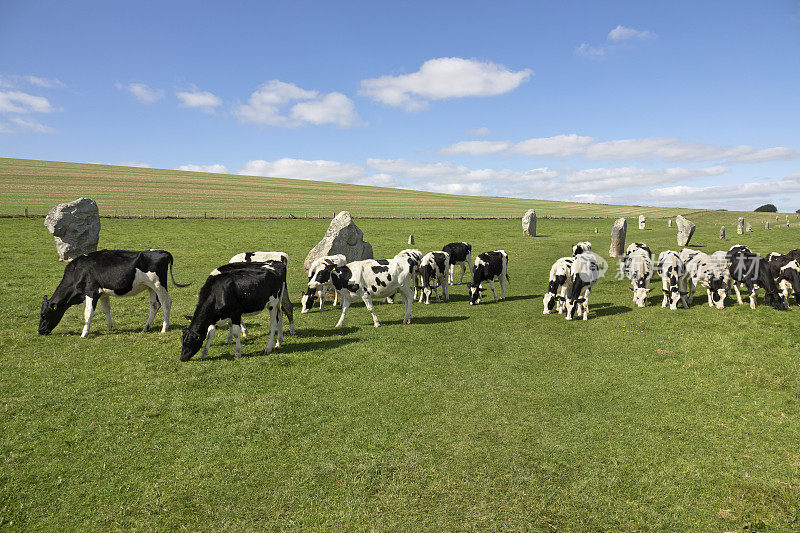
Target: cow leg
[(345, 305), (368, 302), (446, 291), (407, 300), (286, 305), (105, 305), (666, 294), (88, 313), (274, 311), (321, 296), (710, 301), (753, 295), (463, 270), (154, 306), (335, 297), (738, 293), (229, 338), (279, 340), (209, 336), (491, 284), (451, 277), (585, 305), (237, 334), (244, 329), (503, 287), (166, 306)]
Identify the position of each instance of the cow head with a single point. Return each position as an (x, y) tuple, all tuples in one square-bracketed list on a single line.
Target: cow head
[(640, 296), (573, 306), (718, 292), (191, 343), (549, 302), (307, 300), (475, 294), (674, 295), (50, 316)]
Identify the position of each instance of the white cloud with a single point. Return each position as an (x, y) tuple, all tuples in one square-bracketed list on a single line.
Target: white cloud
[(218, 169), (333, 108), (479, 132), (477, 147), (132, 164), (592, 52), (441, 78), (142, 92), (302, 169), (47, 83), (5, 129), (609, 179), (267, 105), (558, 146), (32, 125), (766, 189), (195, 98), (19, 102), (621, 33)]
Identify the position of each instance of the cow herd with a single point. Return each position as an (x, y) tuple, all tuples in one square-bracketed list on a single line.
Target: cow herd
[(255, 282)]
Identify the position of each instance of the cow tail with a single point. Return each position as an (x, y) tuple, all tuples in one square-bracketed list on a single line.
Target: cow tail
[(173, 277)]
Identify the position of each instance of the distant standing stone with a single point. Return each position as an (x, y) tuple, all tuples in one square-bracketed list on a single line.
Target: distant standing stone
[(766, 224), (776, 218), (722, 233), (642, 220), (618, 233), (740, 226), (411, 239), (749, 228), (669, 223), (685, 230), (529, 223), (595, 230), (75, 226)]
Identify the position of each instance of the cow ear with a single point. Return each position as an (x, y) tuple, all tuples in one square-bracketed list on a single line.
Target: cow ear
[(648, 290), (45, 298), (631, 288)]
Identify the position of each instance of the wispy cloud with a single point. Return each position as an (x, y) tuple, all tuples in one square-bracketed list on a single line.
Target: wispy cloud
[(19, 102), (621, 33), (616, 37), (195, 98), (593, 52), (216, 168), (443, 78), (47, 83), (31, 125), (142, 92), (479, 132)]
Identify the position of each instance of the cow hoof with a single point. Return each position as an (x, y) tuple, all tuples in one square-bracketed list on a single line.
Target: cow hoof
[(586, 318), (145, 329)]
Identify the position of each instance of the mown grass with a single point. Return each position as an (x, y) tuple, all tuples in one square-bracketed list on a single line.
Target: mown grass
[(487, 417), (133, 191)]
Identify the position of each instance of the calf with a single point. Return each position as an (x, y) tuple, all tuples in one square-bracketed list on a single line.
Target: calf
[(558, 286), (433, 271), (319, 281), (370, 278), (414, 257), (702, 269), (786, 273), (489, 266), (232, 292), (248, 257), (583, 246), (460, 254), (673, 279), (585, 273), (638, 267), (92, 278), (754, 271)]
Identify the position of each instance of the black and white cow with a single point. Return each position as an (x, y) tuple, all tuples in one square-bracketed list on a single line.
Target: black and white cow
[(558, 285), (236, 290), (414, 255), (585, 273), (319, 281), (248, 257), (673, 279), (92, 278), (638, 267), (369, 279), (754, 272), (489, 266), (583, 246), (460, 254), (710, 272), (433, 271), (786, 272)]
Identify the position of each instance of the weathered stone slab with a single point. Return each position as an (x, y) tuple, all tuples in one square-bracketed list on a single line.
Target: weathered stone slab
[(75, 226)]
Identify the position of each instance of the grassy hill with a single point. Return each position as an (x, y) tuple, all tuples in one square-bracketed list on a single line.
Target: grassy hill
[(39, 185)]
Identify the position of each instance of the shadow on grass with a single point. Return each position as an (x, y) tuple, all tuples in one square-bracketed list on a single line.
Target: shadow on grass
[(302, 333), (426, 320), (288, 347), (606, 309)]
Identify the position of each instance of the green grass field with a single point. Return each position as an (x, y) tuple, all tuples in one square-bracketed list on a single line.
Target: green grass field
[(133, 191), (471, 418)]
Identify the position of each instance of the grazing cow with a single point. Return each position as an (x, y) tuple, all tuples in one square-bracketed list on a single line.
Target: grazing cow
[(583, 246), (370, 278), (786, 272), (585, 273), (460, 254), (248, 257), (638, 267), (489, 266), (754, 271), (415, 257), (794, 254), (558, 286), (702, 269), (94, 277), (319, 281), (236, 290), (434, 270), (673, 278)]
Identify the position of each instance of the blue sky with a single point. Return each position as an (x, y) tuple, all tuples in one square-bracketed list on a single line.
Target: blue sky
[(691, 104)]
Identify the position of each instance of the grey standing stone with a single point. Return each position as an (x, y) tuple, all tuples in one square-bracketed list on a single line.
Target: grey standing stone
[(75, 226), (342, 237), (685, 230), (529, 223), (766, 224), (642, 220), (776, 218), (740, 226), (411, 239), (669, 223), (618, 233), (722, 233), (749, 228), (595, 230)]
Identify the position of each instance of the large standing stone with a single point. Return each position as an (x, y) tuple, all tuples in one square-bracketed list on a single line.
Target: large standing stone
[(642, 220), (618, 233), (75, 226), (342, 237), (749, 228), (529, 223), (722, 233), (740, 226), (685, 230)]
